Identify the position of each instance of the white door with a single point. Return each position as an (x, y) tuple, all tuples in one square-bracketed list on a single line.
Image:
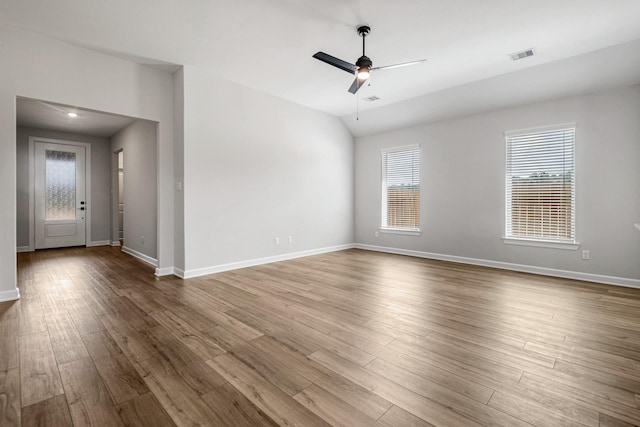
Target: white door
[(59, 195)]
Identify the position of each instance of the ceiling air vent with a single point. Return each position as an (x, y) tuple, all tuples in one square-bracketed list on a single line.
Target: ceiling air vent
[(520, 55), (371, 98)]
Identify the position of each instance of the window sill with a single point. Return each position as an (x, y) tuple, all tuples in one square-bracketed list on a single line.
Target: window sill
[(400, 231), (542, 243)]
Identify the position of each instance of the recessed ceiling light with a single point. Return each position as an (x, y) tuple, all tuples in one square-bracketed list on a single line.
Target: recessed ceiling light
[(72, 114)]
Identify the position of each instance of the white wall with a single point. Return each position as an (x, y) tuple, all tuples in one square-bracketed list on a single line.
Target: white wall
[(138, 143), (463, 185), (257, 167), (37, 67), (100, 181)]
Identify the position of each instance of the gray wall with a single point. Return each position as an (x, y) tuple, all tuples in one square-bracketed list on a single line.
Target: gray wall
[(178, 131), (258, 167), (138, 142), (100, 181), (463, 184)]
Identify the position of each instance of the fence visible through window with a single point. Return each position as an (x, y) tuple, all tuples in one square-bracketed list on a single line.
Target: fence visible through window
[(401, 188), (403, 206), (540, 199)]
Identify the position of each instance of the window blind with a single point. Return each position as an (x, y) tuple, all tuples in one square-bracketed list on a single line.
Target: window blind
[(401, 188), (540, 199)]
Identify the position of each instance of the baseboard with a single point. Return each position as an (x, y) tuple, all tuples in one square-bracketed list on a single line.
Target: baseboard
[(99, 243), (88, 245), (115, 243), (587, 277), (165, 271), (140, 256), (187, 274), (11, 295)]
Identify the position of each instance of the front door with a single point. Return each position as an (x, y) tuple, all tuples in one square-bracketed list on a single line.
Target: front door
[(60, 206)]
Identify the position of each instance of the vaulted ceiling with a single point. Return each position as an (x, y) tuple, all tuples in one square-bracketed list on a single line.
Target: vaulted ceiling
[(268, 45)]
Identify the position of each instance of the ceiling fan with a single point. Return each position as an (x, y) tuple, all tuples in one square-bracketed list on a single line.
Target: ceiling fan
[(363, 66)]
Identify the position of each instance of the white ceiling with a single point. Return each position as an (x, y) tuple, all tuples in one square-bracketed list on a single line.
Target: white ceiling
[(268, 44), (603, 69), (46, 115)]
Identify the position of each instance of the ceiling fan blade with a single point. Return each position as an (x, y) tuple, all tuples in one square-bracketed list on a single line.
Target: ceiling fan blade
[(357, 84), (404, 64), (338, 63)]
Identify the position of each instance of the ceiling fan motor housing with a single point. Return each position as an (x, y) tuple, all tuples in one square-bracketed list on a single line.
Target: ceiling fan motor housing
[(364, 61)]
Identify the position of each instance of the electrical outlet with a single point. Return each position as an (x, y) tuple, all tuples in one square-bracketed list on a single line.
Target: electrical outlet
[(142, 239), (276, 240), (586, 255), (377, 234), (290, 239)]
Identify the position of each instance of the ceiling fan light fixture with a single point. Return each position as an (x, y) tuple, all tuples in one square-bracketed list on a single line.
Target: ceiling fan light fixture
[(363, 65), (363, 73)]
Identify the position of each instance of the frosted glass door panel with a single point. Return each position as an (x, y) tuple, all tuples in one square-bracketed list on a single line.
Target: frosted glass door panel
[(60, 214), (60, 185)]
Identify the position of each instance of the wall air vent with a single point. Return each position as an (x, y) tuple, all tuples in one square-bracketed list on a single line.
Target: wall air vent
[(521, 55), (371, 98)]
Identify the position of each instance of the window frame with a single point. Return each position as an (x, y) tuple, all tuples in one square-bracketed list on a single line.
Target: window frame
[(568, 244), (383, 192)]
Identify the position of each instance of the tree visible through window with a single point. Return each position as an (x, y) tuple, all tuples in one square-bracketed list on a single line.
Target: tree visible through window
[(541, 184), (401, 188)]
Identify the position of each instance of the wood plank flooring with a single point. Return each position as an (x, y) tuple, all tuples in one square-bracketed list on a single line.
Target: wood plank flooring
[(350, 338)]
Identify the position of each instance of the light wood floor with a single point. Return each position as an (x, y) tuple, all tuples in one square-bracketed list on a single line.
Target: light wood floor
[(350, 338)]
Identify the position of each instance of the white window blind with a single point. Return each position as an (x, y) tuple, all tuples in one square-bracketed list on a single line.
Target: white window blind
[(540, 199), (401, 188)]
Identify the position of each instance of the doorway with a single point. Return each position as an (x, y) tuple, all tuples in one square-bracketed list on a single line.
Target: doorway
[(105, 221), (121, 196)]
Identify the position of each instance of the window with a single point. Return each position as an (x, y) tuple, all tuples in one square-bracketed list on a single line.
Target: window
[(541, 185), (401, 189)]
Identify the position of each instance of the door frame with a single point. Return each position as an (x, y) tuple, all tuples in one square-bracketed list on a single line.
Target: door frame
[(32, 185), (115, 192)]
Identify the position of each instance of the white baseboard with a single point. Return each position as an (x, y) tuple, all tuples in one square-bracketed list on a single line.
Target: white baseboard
[(165, 271), (88, 245), (115, 243), (140, 256), (11, 295), (187, 274), (587, 277), (99, 243)]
